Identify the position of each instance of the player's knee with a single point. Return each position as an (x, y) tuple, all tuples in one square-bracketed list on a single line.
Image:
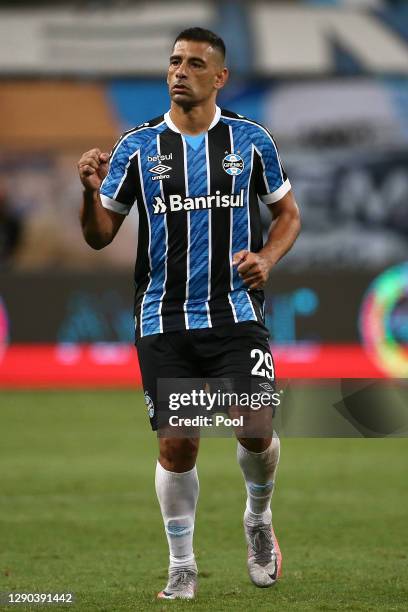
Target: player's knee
[(178, 454), (255, 445)]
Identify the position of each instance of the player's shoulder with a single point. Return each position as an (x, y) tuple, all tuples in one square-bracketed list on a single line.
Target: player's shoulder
[(133, 138), (152, 124), (246, 123)]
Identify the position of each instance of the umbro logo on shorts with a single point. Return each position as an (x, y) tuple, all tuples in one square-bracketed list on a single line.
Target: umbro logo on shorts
[(267, 387)]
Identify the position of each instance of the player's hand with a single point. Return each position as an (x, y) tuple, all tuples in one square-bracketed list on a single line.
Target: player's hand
[(93, 167), (252, 268)]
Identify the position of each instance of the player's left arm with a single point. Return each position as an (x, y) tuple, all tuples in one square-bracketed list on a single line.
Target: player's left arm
[(254, 268), (283, 230), (274, 189)]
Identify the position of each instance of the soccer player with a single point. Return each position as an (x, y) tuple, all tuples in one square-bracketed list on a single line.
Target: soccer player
[(196, 174)]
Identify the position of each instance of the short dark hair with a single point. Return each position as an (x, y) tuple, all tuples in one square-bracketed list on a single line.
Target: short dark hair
[(202, 35)]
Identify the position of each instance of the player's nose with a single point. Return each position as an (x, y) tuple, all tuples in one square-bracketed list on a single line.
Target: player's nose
[(181, 71)]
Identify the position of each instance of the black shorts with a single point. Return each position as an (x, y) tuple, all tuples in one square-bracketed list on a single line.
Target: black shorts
[(236, 351)]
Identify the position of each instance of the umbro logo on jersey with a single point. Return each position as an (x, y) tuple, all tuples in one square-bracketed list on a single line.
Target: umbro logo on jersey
[(160, 169), (233, 164), (176, 202), (160, 172)]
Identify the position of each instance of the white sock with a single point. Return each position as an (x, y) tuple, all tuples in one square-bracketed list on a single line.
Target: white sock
[(177, 494), (259, 472)]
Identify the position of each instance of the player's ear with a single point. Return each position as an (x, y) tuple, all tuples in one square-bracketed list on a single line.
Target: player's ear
[(221, 78)]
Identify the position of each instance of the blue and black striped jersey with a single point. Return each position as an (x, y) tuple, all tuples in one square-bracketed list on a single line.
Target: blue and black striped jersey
[(198, 205)]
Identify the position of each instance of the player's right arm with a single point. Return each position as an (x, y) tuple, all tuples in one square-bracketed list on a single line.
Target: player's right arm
[(99, 224)]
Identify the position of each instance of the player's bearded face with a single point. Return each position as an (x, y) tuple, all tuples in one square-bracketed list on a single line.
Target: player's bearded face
[(196, 72)]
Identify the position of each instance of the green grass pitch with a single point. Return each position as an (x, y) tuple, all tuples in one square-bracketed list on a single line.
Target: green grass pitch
[(78, 513)]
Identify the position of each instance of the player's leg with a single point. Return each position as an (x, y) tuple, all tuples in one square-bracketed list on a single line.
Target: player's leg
[(177, 490), (258, 458), (244, 345), (176, 478), (259, 472)]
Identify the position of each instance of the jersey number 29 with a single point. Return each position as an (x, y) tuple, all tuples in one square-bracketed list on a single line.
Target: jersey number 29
[(263, 358)]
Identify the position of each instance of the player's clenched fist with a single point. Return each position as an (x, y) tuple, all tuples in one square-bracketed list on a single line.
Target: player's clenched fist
[(252, 268), (93, 167)]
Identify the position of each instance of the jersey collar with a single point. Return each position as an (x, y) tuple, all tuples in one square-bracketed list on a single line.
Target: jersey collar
[(214, 122)]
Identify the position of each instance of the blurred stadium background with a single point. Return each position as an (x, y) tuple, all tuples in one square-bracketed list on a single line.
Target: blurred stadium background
[(330, 79), (77, 506)]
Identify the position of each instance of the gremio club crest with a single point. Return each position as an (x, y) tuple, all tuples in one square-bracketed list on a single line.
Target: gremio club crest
[(233, 164)]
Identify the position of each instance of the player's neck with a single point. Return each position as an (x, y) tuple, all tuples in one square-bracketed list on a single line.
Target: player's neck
[(194, 120)]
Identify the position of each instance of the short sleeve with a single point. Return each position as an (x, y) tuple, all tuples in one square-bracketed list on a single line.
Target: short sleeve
[(272, 181), (118, 190)]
